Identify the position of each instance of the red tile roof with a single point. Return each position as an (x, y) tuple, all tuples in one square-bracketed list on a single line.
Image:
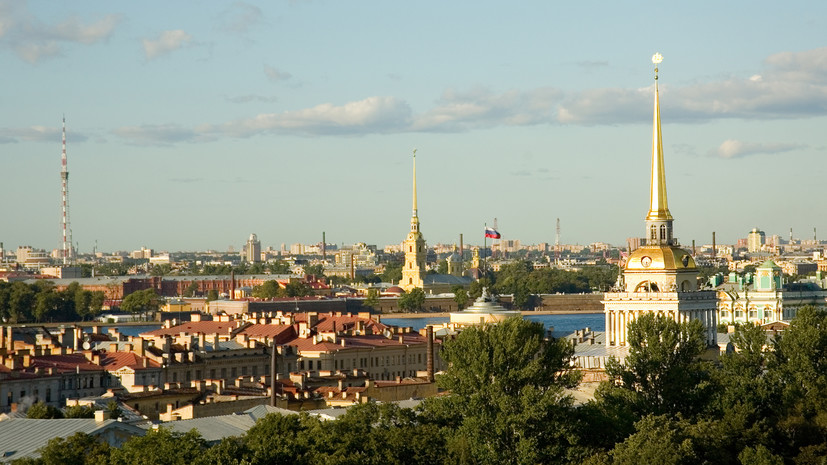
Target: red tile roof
[(282, 333), (65, 363), (116, 360)]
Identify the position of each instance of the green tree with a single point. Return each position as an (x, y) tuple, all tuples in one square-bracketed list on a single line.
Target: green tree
[(96, 303), (280, 438), (268, 290), (191, 289), (212, 294), (144, 301), (412, 301), (476, 287), (662, 373), (162, 447), (507, 402), (257, 268), (279, 267), (372, 299), (79, 411), (297, 289), (393, 272), (78, 449), (41, 410), (460, 296), (113, 410), (21, 302), (314, 270), (798, 362)]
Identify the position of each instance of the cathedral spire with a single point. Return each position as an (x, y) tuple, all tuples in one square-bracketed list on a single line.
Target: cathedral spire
[(414, 183), (415, 216), (658, 207)]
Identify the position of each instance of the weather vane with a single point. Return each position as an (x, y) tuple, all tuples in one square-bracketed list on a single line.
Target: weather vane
[(414, 153), (656, 59)]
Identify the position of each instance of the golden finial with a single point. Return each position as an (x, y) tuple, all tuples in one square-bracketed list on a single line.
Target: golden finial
[(656, 59)]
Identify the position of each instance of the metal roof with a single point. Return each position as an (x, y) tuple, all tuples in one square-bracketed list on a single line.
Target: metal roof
[(22, 437)]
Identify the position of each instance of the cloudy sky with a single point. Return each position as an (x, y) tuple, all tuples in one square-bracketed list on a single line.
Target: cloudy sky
[(193, 124)]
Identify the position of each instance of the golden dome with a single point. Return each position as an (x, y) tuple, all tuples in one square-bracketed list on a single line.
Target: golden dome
[(668, 258)]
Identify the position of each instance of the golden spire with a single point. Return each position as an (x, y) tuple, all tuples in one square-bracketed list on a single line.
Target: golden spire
[(414, 183), (658, 207), (414, 217)]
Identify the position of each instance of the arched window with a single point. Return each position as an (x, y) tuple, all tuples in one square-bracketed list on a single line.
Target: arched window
[(654, 233), (663, 232)]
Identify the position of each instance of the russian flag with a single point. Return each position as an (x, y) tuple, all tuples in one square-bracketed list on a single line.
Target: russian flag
[(492, 233)]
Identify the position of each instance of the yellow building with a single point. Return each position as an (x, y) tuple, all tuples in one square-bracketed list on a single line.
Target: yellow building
[(660, 277)]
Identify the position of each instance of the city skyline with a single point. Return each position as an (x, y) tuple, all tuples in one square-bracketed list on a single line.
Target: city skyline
[(191, 130)]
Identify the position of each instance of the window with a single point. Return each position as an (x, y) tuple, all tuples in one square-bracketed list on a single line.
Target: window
[(653, 233), (663, 232)]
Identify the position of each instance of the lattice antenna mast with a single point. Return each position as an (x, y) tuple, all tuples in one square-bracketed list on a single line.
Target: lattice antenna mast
[(557, 243), (68, 256)]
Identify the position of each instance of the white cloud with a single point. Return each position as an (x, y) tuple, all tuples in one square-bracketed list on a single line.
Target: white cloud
[(738, 149), (274, 74), (167, 42), (32, 39), (371, 115), (72, 30), (241, 17), (38, 134), (159, 134), (790, 85), (481, 108), (252, 98)]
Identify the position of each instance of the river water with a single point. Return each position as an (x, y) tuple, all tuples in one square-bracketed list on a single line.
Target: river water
[(563, 324)]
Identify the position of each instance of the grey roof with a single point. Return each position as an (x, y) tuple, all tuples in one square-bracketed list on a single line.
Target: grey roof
[(22, 437), (328, 413), (214, 429), (447, 279), (261, 411)]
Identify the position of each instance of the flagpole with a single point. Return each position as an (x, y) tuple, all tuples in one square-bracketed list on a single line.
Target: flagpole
[(484, 246)]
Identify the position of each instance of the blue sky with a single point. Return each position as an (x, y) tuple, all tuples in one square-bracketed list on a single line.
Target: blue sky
[(193, 124)]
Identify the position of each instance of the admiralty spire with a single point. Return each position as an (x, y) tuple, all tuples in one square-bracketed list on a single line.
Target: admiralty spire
[(659, 277)]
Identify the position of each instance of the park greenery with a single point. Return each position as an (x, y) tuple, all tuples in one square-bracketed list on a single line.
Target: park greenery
[(21, 302), (765, 402)]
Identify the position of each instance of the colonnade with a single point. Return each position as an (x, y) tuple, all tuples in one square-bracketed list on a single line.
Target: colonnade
[(617, 322)]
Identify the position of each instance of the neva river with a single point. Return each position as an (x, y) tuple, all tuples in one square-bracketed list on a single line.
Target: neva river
[(563, 324)]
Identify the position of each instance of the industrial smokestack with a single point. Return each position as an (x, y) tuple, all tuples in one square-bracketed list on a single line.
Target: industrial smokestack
[(232, 284), (693, 247), (714, 248), (429, 334), (273, 371), (324, 247)]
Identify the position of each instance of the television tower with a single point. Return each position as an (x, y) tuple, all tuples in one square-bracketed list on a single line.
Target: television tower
[(557, 244), (68, 256)]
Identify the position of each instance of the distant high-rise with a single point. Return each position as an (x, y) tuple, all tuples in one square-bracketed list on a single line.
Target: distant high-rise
[(252, 250), (414, 246), (755, 240)]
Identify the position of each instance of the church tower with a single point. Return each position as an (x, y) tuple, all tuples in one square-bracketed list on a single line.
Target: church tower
[(659, 277), (414, 246)]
